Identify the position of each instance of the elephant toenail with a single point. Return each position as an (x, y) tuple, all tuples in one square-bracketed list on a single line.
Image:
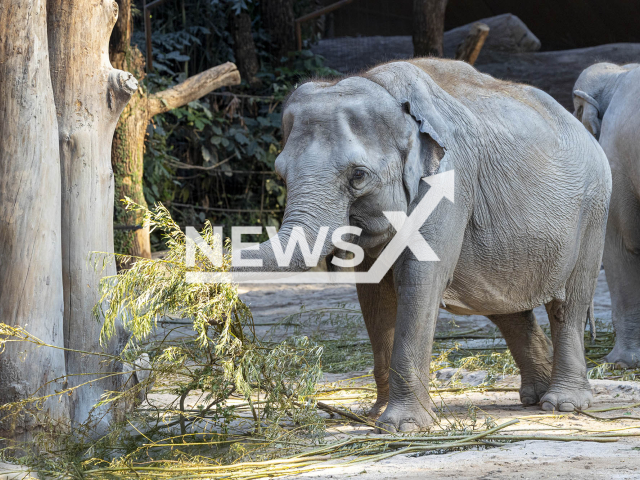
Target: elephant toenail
[(566, 407), (548, 406), (408, 427), (528, 401)]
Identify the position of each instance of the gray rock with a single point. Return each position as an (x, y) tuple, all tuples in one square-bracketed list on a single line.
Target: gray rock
[(508, 34)]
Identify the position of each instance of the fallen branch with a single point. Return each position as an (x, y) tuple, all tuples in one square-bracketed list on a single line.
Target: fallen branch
[(193, 88), (600, 410), (607, 419), (343, 413)]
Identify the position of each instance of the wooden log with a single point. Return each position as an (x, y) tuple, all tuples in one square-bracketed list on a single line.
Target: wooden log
[(469, 50)]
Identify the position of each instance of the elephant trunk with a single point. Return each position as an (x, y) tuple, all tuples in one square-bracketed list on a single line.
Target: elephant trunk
[(304, 238)]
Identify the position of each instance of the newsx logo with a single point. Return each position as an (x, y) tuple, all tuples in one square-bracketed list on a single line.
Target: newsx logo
[(407, 236)]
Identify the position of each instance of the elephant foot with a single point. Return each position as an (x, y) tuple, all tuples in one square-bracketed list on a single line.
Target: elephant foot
[(404, 419), (532, 391), (377, 409), (566, 400), (624, 357)]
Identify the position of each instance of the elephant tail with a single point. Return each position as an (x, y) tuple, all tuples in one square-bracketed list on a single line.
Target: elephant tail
[(592, 322)]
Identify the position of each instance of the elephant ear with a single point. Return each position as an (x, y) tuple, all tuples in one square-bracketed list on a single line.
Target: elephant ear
[(425, 157), (417, 93), (587, 111)]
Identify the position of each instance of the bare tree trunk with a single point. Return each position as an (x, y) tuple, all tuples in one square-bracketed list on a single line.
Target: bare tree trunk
[(89, 96), (428, 27), (30, 250), (279, 20), (244, 46)]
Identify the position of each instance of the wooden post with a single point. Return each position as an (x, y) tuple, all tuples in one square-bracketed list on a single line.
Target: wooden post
[(298, 35), (428, 27), (469, 50)]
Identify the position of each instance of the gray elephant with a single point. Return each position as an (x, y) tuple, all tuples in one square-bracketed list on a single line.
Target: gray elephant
[(605, 98), (526, 228)]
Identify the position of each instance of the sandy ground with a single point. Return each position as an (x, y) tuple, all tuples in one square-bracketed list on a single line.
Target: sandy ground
[(526, 459), (15, 472), (522, 460)]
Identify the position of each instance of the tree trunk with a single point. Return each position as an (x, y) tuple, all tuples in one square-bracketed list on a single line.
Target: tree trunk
[(30, 251), (89, 96), (243, 46), (127, 161), (127, 156), (127, 151), (428, 27), (279, 21)]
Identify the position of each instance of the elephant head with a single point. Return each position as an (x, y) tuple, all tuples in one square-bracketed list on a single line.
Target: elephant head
[(354, 149), (593, 91)]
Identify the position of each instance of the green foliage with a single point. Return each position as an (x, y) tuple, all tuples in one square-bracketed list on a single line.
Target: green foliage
[(240, 126), (340, 330), (223, 357), (198, 381)]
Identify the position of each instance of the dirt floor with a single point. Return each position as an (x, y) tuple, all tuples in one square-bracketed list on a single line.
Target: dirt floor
[(525, 459)]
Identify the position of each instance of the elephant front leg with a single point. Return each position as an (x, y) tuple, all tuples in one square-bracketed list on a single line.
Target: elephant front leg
[(532, 351), (418, 296), (378, 303)]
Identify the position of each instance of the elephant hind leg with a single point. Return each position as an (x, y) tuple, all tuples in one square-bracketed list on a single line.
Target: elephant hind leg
[(532, 351), (379, 307), (569, 389)]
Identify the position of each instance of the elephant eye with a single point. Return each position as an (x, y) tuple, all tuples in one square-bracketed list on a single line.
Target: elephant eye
[(357, 177), (359, 174)]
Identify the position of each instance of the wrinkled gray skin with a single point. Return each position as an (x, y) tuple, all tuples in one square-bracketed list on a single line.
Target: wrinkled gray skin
[(610, 110), (527, 227)]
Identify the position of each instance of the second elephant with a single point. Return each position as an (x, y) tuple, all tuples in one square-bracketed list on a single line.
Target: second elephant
[(606, 98)]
